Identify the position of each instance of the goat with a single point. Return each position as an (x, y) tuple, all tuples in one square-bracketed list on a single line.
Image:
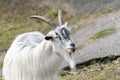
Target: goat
[(33, 56)]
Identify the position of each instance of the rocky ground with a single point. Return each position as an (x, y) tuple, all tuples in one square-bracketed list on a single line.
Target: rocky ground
[(103, 45)]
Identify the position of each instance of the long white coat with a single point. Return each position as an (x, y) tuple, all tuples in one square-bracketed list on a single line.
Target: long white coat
[(31, 57)]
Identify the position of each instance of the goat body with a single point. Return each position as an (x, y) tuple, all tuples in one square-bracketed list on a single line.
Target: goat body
[(31, 57)]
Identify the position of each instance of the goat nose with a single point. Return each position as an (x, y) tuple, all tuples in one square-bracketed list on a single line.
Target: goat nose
[(72, 44), (73, 47)]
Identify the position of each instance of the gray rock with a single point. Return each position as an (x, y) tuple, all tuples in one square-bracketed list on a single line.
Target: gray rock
[(90, 49)]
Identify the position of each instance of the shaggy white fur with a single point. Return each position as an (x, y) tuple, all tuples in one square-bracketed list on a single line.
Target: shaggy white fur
[(25, 60), (32, 57)]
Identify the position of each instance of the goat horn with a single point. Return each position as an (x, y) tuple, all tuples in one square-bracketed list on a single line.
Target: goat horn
[(45, 20), (60, 19)]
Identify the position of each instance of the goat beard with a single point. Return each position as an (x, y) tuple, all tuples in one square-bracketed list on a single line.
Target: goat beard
[(68, 57)]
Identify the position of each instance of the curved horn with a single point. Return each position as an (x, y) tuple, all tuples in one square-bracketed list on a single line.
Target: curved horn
[(60, 19), (45, 20)]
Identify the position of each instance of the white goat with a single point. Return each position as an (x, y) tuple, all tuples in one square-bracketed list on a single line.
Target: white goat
[(33, 56)]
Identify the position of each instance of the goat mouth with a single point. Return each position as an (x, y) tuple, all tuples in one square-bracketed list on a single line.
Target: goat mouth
[(71, 50)]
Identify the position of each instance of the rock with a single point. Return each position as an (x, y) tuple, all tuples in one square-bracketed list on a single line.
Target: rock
[(106, 46)]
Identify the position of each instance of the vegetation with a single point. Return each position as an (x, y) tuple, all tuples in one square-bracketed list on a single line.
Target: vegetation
[(10, 30), (99, 69), (53, 13), (15, 20), (103, 33), (0, 78), (106, 11)]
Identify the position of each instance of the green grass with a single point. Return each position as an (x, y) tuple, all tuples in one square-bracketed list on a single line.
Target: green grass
[(0, 78), (106, 11), (103, 33), (15, 21), (53, 13), (10, 30)]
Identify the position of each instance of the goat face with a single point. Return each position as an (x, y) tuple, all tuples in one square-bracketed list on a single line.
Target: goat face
[(63, 35), (64, 45), (62, 38)]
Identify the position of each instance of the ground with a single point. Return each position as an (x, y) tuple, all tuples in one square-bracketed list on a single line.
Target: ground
[(107, 71)]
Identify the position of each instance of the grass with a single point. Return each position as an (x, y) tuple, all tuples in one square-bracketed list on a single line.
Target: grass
[(106, 74), (53, 13), (11, 30), (106, 11), (14, 22), (20, 23), (103, 33), (101, 70), (107, 68)]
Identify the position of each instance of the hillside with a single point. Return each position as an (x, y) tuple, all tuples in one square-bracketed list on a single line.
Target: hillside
[(101, 69), (98, 36), (73, 6), (95, 30), (15, 14)]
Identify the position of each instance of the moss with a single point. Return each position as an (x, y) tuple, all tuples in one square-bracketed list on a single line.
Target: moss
[(53, 13), (106, 11), (103, 33)]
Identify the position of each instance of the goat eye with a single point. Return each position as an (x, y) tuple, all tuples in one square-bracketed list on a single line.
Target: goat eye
[(58, 37), (56, 34)]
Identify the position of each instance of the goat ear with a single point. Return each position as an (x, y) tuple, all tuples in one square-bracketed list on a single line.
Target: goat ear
[(48, 37), (66, 24)]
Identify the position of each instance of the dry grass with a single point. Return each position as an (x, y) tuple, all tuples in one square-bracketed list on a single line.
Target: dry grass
[(97, 71)]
